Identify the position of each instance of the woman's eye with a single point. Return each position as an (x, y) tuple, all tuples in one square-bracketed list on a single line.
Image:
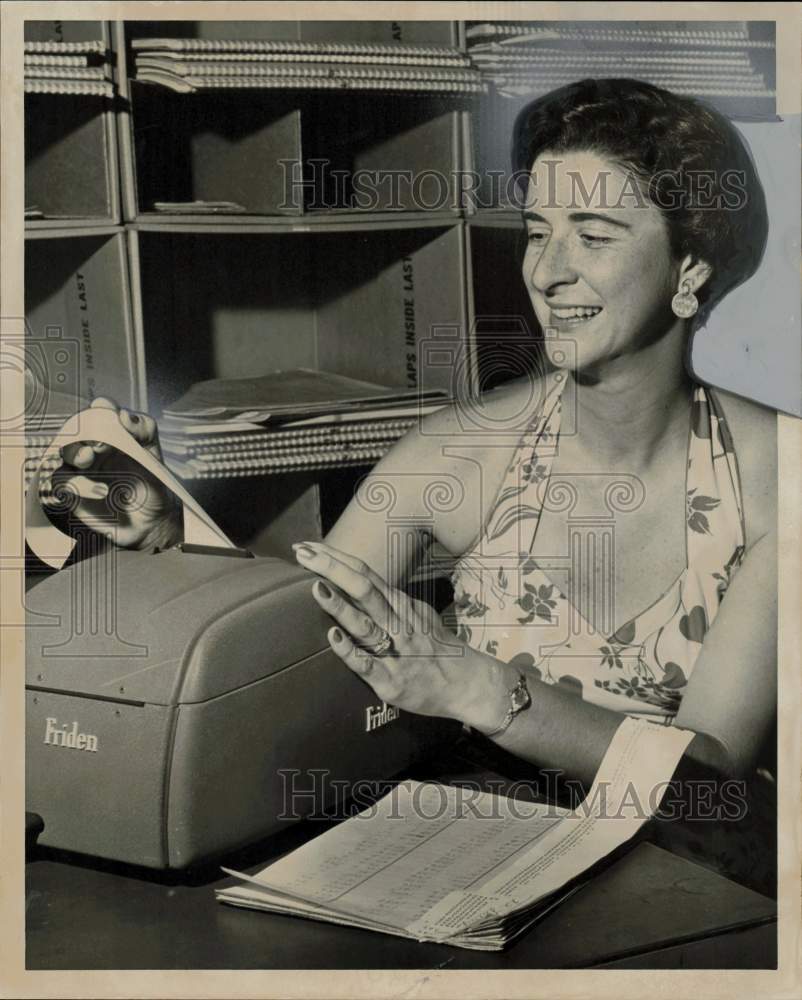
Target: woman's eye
[(595, 241), (537, 239)]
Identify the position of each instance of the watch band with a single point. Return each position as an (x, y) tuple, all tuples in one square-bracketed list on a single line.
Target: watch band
[(520, 699)]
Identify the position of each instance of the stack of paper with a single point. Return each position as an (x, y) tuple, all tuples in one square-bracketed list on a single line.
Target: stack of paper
[(68, 68), (385, 868), (704, 60), (462, 867), (284, 421), (188, 64)]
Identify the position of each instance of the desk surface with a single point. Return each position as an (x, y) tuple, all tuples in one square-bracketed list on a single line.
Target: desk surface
[(649, 909)]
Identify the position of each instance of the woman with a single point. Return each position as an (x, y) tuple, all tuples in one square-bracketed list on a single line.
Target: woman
[(626, 251)]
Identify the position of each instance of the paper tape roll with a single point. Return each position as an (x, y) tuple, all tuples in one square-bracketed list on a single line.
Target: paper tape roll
[(102, 424)]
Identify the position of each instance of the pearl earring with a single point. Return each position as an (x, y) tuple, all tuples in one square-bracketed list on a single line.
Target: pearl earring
[(684, 304)]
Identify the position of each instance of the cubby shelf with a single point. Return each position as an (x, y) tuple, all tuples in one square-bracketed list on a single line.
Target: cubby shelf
[(71, 157)]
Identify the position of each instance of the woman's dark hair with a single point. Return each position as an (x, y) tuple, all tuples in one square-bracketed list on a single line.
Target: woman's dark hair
[(689, 160)]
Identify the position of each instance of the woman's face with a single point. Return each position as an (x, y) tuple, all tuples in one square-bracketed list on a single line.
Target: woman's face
[(598, 265)]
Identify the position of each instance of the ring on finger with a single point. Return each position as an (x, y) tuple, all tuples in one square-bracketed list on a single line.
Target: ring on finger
[(383, 645)]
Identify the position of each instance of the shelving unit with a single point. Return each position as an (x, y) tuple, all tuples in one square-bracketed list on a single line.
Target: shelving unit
[(295, 274)]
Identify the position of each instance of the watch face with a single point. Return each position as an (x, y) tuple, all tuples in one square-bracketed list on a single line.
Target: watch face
[(520, 698)]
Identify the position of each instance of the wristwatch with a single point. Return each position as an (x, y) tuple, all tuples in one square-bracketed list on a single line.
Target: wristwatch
[(520, 700)]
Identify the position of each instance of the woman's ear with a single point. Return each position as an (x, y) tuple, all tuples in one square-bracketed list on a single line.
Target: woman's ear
[(694, 270)]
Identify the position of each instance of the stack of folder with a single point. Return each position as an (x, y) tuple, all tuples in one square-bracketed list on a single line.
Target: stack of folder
[(701, 60), (286, 421), (68, 68), (187, 65)]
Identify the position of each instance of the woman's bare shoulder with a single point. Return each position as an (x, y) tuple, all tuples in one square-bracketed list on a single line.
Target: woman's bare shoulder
[(753, 429), (464, 448), (467, 437), (500, 414)]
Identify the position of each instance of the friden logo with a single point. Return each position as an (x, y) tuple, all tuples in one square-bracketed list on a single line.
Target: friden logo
[(380, 715), (70, 738)]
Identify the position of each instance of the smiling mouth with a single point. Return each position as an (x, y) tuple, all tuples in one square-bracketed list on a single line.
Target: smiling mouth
[(574, 315)]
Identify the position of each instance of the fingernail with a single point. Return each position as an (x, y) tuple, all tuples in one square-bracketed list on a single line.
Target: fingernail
[(100, 491), (336, 635), (304, 552), (322, 590)]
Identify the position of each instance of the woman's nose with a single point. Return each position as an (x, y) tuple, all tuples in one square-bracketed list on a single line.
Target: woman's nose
[(553, 266)]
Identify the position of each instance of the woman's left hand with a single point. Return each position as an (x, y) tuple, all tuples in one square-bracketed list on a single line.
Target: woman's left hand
[(426, 669)]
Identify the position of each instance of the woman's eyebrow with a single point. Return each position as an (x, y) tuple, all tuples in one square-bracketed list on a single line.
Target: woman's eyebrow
[(534, 217), (580, 217), (598, 217)]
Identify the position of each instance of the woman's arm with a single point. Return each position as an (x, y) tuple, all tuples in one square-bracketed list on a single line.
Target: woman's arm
[(394, 516), (729, 703), (732, 692), (439, 481)]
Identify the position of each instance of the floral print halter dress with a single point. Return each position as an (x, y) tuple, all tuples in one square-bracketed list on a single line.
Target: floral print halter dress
[(506, 605), (510, 607)]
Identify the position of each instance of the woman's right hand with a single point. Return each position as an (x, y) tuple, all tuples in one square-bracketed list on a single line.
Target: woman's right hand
[(112, 494)]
